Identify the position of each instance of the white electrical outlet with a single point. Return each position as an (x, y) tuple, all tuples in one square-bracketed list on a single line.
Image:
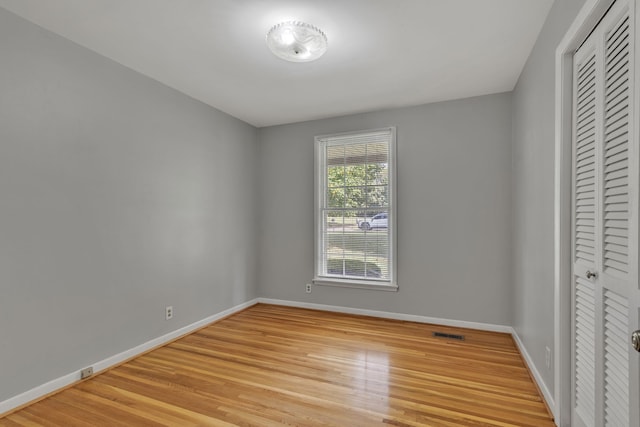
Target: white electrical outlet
[(168, 312), (308, 288), (547, 357), (86, 372)]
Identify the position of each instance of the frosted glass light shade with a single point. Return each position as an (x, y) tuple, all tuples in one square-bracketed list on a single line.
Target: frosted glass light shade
[(296, 41)]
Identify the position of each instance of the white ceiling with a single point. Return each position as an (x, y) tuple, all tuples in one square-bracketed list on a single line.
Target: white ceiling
[(382, 53)]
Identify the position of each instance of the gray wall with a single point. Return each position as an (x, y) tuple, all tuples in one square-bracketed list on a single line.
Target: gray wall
[(454, 211), (533, 189), (118, 196)]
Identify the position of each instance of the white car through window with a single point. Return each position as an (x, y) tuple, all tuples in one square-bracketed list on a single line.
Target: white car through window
[(377, 221)]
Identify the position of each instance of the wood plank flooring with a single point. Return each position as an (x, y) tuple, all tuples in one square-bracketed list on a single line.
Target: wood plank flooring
[(273, 366)]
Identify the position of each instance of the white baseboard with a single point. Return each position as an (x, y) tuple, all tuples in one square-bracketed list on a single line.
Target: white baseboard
[(546, 394), (59, 383), (390, 315)]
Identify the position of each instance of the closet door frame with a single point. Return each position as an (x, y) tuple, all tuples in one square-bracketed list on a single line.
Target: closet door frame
[(587, 19)]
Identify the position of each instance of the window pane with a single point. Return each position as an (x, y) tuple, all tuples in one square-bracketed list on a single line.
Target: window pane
[(334, 229), (356, 197), (377, 173), (375, 243), (378, 153), (355, 175), (335, 155), (377, 196), (355, 154), (335, 176), (335, 197)]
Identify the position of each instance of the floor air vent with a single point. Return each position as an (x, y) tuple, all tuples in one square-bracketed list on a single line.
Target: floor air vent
[(450, 336)]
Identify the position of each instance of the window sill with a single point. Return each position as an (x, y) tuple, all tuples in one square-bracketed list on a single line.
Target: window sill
[(355, 284)]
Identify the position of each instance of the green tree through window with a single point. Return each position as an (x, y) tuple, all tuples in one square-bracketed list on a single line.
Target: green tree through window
[(356, 188)]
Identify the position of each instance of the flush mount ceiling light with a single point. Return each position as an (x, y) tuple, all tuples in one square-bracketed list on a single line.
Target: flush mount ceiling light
[(296, 41)]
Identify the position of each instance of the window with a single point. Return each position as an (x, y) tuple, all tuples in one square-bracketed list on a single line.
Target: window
[(355, 209)]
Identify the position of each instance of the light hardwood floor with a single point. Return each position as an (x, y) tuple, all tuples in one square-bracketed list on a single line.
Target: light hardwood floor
[(273, 366)]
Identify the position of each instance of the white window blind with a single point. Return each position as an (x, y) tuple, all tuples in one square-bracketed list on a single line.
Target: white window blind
[(355, 209)]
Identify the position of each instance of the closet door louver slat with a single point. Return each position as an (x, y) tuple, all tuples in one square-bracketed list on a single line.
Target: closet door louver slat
[(585, 165), (616, 360), (616, 150), (584, 355)]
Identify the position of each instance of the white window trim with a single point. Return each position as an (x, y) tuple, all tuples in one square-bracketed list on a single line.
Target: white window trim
[(319, 188)]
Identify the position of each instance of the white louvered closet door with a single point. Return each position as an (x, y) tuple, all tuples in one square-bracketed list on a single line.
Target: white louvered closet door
[(605, 303)]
